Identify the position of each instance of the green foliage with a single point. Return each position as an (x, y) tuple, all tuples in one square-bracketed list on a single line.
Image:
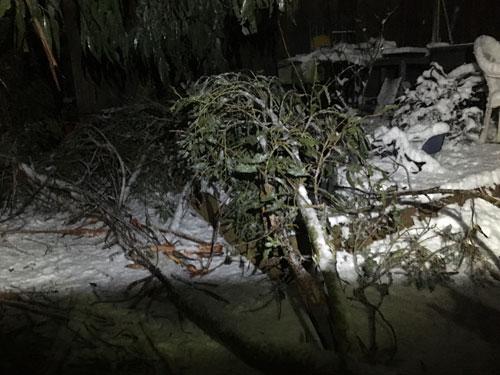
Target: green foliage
[(180, 36), (177, 38), (187, 37), (4, 7), (250, 136), (245, 11), (46, 13), (103, 32), (444, 97)]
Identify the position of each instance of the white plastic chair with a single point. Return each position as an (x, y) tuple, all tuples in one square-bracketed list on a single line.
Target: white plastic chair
[(487, 52)]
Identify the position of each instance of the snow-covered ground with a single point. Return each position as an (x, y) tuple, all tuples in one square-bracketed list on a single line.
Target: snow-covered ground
[(95, 282)]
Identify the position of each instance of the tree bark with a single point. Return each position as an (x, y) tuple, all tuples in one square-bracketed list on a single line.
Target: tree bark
[(85, 92), (347, 343), (263, 356)]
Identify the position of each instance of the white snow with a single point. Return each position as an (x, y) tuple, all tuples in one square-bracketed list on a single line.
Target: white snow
[(359, 54), (325, 259), (407, 150), (422, 132), (464, 167)]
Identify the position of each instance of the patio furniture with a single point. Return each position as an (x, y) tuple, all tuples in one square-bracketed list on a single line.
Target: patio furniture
[(487, 52)]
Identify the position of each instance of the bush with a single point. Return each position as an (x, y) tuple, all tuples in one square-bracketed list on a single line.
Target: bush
[(441, 97), (249, 136)]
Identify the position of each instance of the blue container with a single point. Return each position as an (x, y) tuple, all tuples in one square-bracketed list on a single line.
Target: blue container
[(434, 144)]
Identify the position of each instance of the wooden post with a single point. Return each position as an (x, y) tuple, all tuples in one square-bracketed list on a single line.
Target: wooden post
[(84, 87)]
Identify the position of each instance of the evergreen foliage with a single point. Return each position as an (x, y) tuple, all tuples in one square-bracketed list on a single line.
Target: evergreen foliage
[(443, 97), (177, 38), (249, 136)]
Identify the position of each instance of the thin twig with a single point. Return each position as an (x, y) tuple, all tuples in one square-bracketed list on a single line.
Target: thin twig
[(70, 231), (216, 228), (185, 236), (28, 307)]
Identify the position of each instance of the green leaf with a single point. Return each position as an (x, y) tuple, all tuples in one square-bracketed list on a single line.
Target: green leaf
[(296, 170), (265, 254), (387, 108), (308, 141), (267, 197), (4, 7), (397, 219), (20, 23), (256, 159), (349, 179), (275, 206), (251, 140), (34, 9), (200, 166), (245, 168), (163, 69), (95, 10), (46, 30), (54, 26)]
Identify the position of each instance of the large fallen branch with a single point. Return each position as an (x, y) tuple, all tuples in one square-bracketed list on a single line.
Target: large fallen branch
[(324, 258), (257, 353), (444, 197)]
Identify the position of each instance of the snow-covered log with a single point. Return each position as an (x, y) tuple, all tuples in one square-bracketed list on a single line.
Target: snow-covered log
[(325, 259)]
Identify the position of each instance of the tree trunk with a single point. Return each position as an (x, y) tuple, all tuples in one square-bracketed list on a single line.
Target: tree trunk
[(84, 88), (347, 343)]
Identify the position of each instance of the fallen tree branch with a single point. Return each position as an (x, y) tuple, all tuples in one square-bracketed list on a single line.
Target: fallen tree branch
[(266, 357), (71, 231), (185, 236), (347, 342), (258, 354)]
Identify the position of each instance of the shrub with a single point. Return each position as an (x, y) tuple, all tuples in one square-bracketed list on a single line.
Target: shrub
[(249, 136), (443, 97)]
